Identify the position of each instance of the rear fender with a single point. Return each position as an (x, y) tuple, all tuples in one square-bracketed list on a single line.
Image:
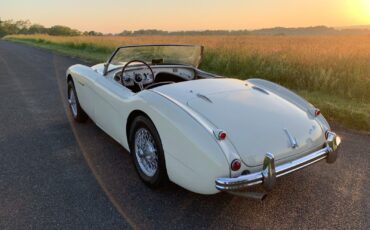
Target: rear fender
[(193, 158)]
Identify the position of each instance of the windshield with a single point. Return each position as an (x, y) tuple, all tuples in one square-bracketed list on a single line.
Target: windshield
[(159, 54)]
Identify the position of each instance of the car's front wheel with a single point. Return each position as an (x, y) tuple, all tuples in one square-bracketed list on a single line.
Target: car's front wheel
[(147, 152), (77, 112)]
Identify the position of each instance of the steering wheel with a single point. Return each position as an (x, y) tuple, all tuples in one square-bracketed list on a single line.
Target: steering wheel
[(138, 79)]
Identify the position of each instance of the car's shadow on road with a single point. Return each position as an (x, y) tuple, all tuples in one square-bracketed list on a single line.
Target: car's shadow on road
[(307, 198)]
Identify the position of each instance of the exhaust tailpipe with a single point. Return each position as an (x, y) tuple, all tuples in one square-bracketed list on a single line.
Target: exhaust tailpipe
[(251, 195)]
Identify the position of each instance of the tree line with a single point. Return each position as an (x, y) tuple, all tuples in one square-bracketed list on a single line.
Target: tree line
[(26, 27), (278, 31), (8, 27)]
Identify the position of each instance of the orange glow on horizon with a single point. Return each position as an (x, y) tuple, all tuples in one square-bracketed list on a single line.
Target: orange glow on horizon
[(112, 16)]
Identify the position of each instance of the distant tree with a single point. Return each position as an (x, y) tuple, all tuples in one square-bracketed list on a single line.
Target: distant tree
[(63, 30), (9, 27), (149, 32), (2, 31), (125, 33), (92, 33), (22, 26), (25, 27), (37, 29)]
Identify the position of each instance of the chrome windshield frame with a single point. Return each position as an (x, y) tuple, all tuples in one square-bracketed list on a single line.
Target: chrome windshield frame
[(106, 65)]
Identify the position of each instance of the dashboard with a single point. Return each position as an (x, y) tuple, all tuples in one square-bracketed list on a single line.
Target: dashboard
[(145, 76)]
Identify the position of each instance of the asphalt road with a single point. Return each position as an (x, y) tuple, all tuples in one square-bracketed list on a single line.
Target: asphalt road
[(57, 174)]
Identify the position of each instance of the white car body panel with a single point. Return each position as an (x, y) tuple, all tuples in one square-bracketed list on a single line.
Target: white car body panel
[(254, 114)]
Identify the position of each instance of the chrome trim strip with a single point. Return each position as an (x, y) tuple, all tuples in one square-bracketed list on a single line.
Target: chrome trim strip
[(204, 97), (260, 89), (269, 173)]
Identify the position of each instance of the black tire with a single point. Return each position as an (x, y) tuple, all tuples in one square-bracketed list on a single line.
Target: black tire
[(78, 113), (160, 177)]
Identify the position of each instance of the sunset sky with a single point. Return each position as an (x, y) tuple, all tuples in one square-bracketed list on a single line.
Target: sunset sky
[(117, 15)]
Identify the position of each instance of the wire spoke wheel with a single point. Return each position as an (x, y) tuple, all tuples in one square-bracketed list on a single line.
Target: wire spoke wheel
[(146, 152), (78, 113), (72, 101)]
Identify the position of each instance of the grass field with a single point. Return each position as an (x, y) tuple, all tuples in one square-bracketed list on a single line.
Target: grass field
[(332, 72)]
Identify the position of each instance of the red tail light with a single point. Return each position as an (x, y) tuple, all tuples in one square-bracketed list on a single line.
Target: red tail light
[(235, 165), (317, 112), (222, 135)]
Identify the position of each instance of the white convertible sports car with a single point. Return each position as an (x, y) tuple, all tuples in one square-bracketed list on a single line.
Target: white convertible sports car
[(201, 131)]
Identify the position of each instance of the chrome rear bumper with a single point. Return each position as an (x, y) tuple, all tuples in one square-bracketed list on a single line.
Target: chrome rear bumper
[(268, 175)]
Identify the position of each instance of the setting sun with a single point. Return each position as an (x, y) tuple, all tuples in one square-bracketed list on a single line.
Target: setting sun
[(360, 10)]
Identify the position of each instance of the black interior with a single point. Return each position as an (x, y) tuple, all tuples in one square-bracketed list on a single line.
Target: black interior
[(167, 77)]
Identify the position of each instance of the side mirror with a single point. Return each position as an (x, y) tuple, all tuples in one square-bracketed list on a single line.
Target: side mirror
[(105, 68)]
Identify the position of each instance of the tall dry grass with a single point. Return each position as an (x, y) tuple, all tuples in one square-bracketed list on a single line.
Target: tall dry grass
[(338, 65)]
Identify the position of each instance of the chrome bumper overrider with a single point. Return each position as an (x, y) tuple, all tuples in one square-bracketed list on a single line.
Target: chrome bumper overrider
[(270, 172)]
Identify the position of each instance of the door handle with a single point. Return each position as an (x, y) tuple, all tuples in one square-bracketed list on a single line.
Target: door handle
[(81, 83)]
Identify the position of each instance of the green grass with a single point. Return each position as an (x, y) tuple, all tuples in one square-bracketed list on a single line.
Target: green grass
[(86, 52), (349, 113), (345, 101)]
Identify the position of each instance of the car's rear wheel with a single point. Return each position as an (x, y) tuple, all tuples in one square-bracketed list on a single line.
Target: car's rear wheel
[(77, 112), (147, 152)]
